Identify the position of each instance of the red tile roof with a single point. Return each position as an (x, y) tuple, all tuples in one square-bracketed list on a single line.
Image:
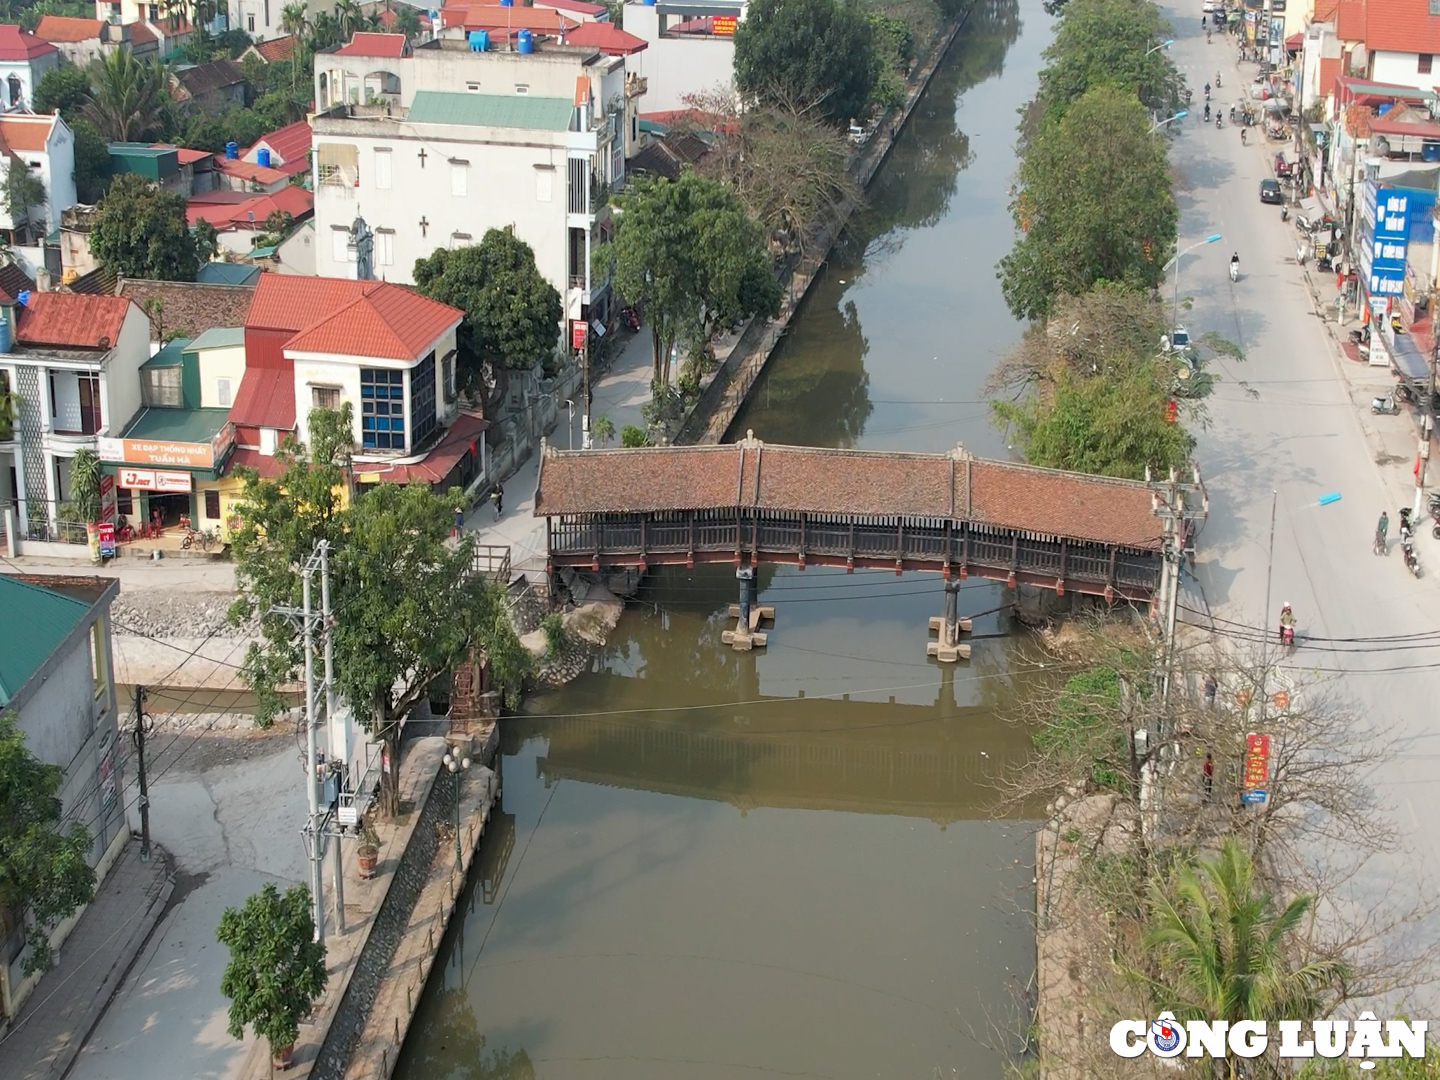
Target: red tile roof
[(577, 7), (371, 44), (292, 200), (389, 18), (54, 28), (183, 154), (506, 20), (140, 34), (287, 144), (266, 398), (459, 439), (72, 320), (850, 482), (267, 465), (385, 321), (280, 48), (17, 44), (606, 37), (1403, 26), (21, 132)]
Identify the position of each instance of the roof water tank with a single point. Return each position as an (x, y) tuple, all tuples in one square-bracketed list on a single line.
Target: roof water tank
[(23, 297), (232, 151), (1382, 109), (262, 157), (479, 40), (1430, 151), (507, 3), (524, 42)]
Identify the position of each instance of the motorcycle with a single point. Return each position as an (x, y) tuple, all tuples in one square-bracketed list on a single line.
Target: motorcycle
[(1434, 504), (1412, 561), (1384, 406), (1219, 120), (1405, 393), (1234, 269), (1361, 336), (1287, 637), (1217, 80), (630, 319), (1325, 264)]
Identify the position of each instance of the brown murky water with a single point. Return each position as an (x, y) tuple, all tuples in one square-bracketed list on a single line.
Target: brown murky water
[(786, 863)]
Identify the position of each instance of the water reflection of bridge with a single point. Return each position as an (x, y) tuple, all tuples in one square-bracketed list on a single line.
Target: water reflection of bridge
[(939, 762)]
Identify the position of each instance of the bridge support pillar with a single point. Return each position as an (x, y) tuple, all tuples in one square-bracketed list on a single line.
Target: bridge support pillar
[(748, 614), (948, 648)]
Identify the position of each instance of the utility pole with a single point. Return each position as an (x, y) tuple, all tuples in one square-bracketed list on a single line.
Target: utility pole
[(330, 720), (1171, 502), (137, 736), (585, 381), (314, 831)]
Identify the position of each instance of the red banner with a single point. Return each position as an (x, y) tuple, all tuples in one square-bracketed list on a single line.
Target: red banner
[(1257, 760), (577, 334)]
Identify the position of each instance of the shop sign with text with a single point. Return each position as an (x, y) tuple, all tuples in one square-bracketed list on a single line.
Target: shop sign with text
[(153, 480)]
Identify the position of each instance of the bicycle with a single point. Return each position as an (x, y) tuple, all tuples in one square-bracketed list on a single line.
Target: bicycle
[(206, 539)]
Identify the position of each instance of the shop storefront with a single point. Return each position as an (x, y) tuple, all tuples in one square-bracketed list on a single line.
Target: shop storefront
[(168, 468)]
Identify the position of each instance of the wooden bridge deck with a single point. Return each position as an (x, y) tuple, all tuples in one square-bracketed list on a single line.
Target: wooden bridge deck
[(750, 503)]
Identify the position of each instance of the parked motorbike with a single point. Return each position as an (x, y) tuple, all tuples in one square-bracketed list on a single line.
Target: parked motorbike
[(1361, 336), (1384, 406), (1405, 393), (1412, 561), (1326, 264), (630, 319), (1434, 504), (1287, 637)]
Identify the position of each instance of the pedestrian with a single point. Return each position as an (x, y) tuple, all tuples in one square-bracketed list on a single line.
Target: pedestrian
[(498, 497), (459, 525), (1209, 776), (1211, 685)]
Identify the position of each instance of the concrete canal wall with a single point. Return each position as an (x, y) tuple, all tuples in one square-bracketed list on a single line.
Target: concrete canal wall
[(723, 398)]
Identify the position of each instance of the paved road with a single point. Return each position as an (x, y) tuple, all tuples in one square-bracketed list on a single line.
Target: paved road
[(1306, 433)]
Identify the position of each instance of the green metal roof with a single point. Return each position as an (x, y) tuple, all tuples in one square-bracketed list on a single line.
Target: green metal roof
[(36, 622), (178, 425), (169, 356), (492, 110), (218, 337), (222, 273)]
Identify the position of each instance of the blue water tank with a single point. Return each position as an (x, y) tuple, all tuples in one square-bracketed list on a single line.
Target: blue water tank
[(1430, 151), (232, 151), (1381, 110), (479, 40), (23, 297), (262, 157), (507, 3), (524, 42)]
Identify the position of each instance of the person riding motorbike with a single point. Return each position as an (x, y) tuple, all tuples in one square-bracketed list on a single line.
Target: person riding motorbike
[(1219, 120), (1217, 80), (1235, 267), (1207, 112), (1207, 91), (1287, 625), (1242, 137)]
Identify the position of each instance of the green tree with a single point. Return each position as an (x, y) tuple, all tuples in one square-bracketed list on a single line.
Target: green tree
[(128, 98), (602, 429), (808, 53), (92, 162), (207, 241), (1224, 948), (24, 197), (1093, 203), (632, 436), (348, 18), (64, 89), (1109, 41), (1112, 425), (891, 57), (688, 251), (407, 21), (276, 968), (44, 864), (409, 606), (295, 18), (141, 231), (512, 314)]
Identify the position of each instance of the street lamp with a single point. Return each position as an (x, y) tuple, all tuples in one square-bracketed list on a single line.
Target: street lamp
[(1163, 45), (570, 424), (457, 766), (1161, 123), (1175, 262)]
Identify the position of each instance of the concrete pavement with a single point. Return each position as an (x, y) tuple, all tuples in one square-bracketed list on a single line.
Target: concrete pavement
[(1300, 426)]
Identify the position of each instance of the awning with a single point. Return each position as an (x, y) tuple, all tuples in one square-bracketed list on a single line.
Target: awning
[(1406, 358), (1295, 42), (461, 438)]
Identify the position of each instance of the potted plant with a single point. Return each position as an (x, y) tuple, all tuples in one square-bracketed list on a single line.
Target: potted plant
[(85, 495), (276, 968), (369, 853)]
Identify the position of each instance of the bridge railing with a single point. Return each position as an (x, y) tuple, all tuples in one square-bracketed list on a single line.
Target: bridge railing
[(768, 534)]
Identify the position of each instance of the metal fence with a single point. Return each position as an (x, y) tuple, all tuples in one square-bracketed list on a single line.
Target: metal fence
[(44, 522)]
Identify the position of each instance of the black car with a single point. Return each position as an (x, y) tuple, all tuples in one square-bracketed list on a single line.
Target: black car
[(1270, 192)]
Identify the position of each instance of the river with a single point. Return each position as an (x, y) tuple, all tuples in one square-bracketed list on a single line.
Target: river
[(789, 862)]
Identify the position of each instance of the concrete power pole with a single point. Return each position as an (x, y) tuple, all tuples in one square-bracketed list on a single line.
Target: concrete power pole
[(1180, 505), (332, 720)]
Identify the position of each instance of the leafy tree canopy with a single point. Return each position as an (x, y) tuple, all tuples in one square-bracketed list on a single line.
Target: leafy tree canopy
[(141, 231), (44, 865), (1109, 41), (64, 89), (1093, 203), (512, 314), (23, 196), (408, 606), (276, 969), (688, 251), (92, 162), (816, 53)]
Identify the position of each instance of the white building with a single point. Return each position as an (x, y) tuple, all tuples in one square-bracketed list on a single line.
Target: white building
[(434, 148), (691, 47), (57, 676), (74, 362), (24, 59), (45, 146)]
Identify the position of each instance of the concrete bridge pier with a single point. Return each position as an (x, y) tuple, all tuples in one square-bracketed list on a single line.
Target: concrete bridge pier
[(748, 615), (948, 648)]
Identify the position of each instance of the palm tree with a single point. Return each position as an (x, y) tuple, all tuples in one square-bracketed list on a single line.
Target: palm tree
[(295, 19), (127, 97), (407, 21), (1225, 951), (602, 430), (348, 18)]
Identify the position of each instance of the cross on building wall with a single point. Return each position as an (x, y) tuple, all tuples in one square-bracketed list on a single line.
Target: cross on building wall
[(422, 157), (424, 225)]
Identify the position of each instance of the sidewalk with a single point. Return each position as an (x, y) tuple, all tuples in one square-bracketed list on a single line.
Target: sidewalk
[(61, 1011), (619, 394)]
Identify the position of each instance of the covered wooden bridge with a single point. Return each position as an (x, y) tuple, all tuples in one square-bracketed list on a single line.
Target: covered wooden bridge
[(954, 514)]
